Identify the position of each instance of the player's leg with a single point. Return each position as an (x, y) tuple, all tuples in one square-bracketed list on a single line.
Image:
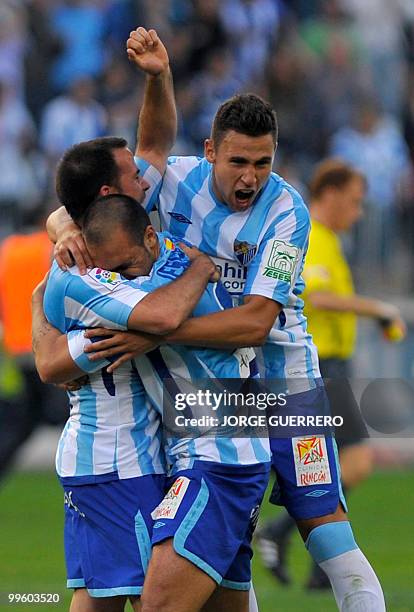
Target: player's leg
[(229, 600), (174, 584), (135, 603), (108, 528), (83, 602), (200, 527), (273, 540), (330, 541), (308, 484), (324, 526)]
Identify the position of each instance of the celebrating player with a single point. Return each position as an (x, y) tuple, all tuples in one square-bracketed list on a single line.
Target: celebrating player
[(234, 208), (208, 474)]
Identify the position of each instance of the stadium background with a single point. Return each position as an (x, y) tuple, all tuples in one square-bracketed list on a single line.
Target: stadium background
[(340, 74)]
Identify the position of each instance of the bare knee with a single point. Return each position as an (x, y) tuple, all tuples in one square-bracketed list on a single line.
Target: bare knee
[(305, 526)]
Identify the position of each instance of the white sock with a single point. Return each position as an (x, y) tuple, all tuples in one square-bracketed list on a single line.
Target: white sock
[(354, 583), (253, 607)]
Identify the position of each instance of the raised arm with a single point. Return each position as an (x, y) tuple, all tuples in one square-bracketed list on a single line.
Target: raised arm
[(157, 125)]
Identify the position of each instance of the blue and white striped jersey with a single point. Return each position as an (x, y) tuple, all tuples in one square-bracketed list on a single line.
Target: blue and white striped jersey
[(260, 252), (112, 431), (188, 364)]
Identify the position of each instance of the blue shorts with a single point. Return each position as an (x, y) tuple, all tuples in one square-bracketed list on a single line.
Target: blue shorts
[(307, 467), (108, 529), (211, 513)]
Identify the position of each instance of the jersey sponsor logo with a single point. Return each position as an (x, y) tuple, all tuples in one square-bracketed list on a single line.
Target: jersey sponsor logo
[(282, 261), (180, 218), (311, 461), (244, 251), (233, 275), (107, 278), (168, 508)]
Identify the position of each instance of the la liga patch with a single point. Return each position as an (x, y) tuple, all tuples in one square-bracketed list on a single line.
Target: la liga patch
[(311, 461), (107, 278)]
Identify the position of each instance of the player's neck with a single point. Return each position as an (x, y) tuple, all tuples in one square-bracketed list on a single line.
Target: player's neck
[(323, 216)]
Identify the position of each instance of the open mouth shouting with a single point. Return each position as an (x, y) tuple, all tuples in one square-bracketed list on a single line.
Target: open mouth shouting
[(244, 197)]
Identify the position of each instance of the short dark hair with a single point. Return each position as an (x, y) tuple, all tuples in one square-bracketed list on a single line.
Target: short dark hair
[(111, 211), (332, 173), (247, 114), (82, 171)]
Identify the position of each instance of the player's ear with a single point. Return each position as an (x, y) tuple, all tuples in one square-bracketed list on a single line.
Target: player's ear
[(150, 237), (209, 150), (105, 190)]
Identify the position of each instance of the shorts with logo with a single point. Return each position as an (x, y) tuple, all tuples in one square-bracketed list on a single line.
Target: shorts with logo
[(211, 511), (108, 529), (307, 468)]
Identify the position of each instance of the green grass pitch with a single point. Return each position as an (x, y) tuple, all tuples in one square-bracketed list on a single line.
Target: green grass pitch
[(31, 558)]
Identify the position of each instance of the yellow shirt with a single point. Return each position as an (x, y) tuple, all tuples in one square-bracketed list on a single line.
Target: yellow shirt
[(326, 269)]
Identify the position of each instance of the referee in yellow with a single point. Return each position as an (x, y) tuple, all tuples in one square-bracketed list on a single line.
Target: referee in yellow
[(332, 307)]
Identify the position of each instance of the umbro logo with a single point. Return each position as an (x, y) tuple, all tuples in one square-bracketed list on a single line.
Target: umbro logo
[(180, 218), (317, 493)]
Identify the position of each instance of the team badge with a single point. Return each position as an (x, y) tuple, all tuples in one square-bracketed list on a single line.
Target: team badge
[(311, 461), (282, 261), (168, 508), (244, 251), (180, 218), (107, 278)]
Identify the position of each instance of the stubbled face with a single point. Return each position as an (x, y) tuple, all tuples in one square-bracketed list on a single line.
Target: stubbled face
[(348, 204), (242, 165), (129, 182), (120, 254)]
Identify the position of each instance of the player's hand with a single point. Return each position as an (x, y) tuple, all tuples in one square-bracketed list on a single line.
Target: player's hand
[(393, 330), (75, 385), (193, 253), (130, 344), (145, 50), (70, 248)]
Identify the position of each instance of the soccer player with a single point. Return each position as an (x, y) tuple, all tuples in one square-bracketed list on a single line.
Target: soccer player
[(109, 460), (213, 480), (336, 194), (234, 208)]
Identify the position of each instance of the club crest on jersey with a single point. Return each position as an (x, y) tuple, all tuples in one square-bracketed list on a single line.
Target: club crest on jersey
[(282, 261), (107, 278), (244, 251), (311, 461), (180, 218)]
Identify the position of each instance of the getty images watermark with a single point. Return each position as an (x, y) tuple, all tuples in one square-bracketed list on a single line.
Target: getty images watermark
[(259, 401), (350, 409)]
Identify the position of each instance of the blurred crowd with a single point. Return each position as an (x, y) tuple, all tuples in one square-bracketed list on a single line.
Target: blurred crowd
[(340, 74)]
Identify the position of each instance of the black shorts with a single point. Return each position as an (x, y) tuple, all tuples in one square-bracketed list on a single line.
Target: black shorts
[(336, 375)]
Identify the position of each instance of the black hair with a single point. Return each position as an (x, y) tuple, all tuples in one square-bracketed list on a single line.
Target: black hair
[(106, 213), (247, 114), (82, 171)]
